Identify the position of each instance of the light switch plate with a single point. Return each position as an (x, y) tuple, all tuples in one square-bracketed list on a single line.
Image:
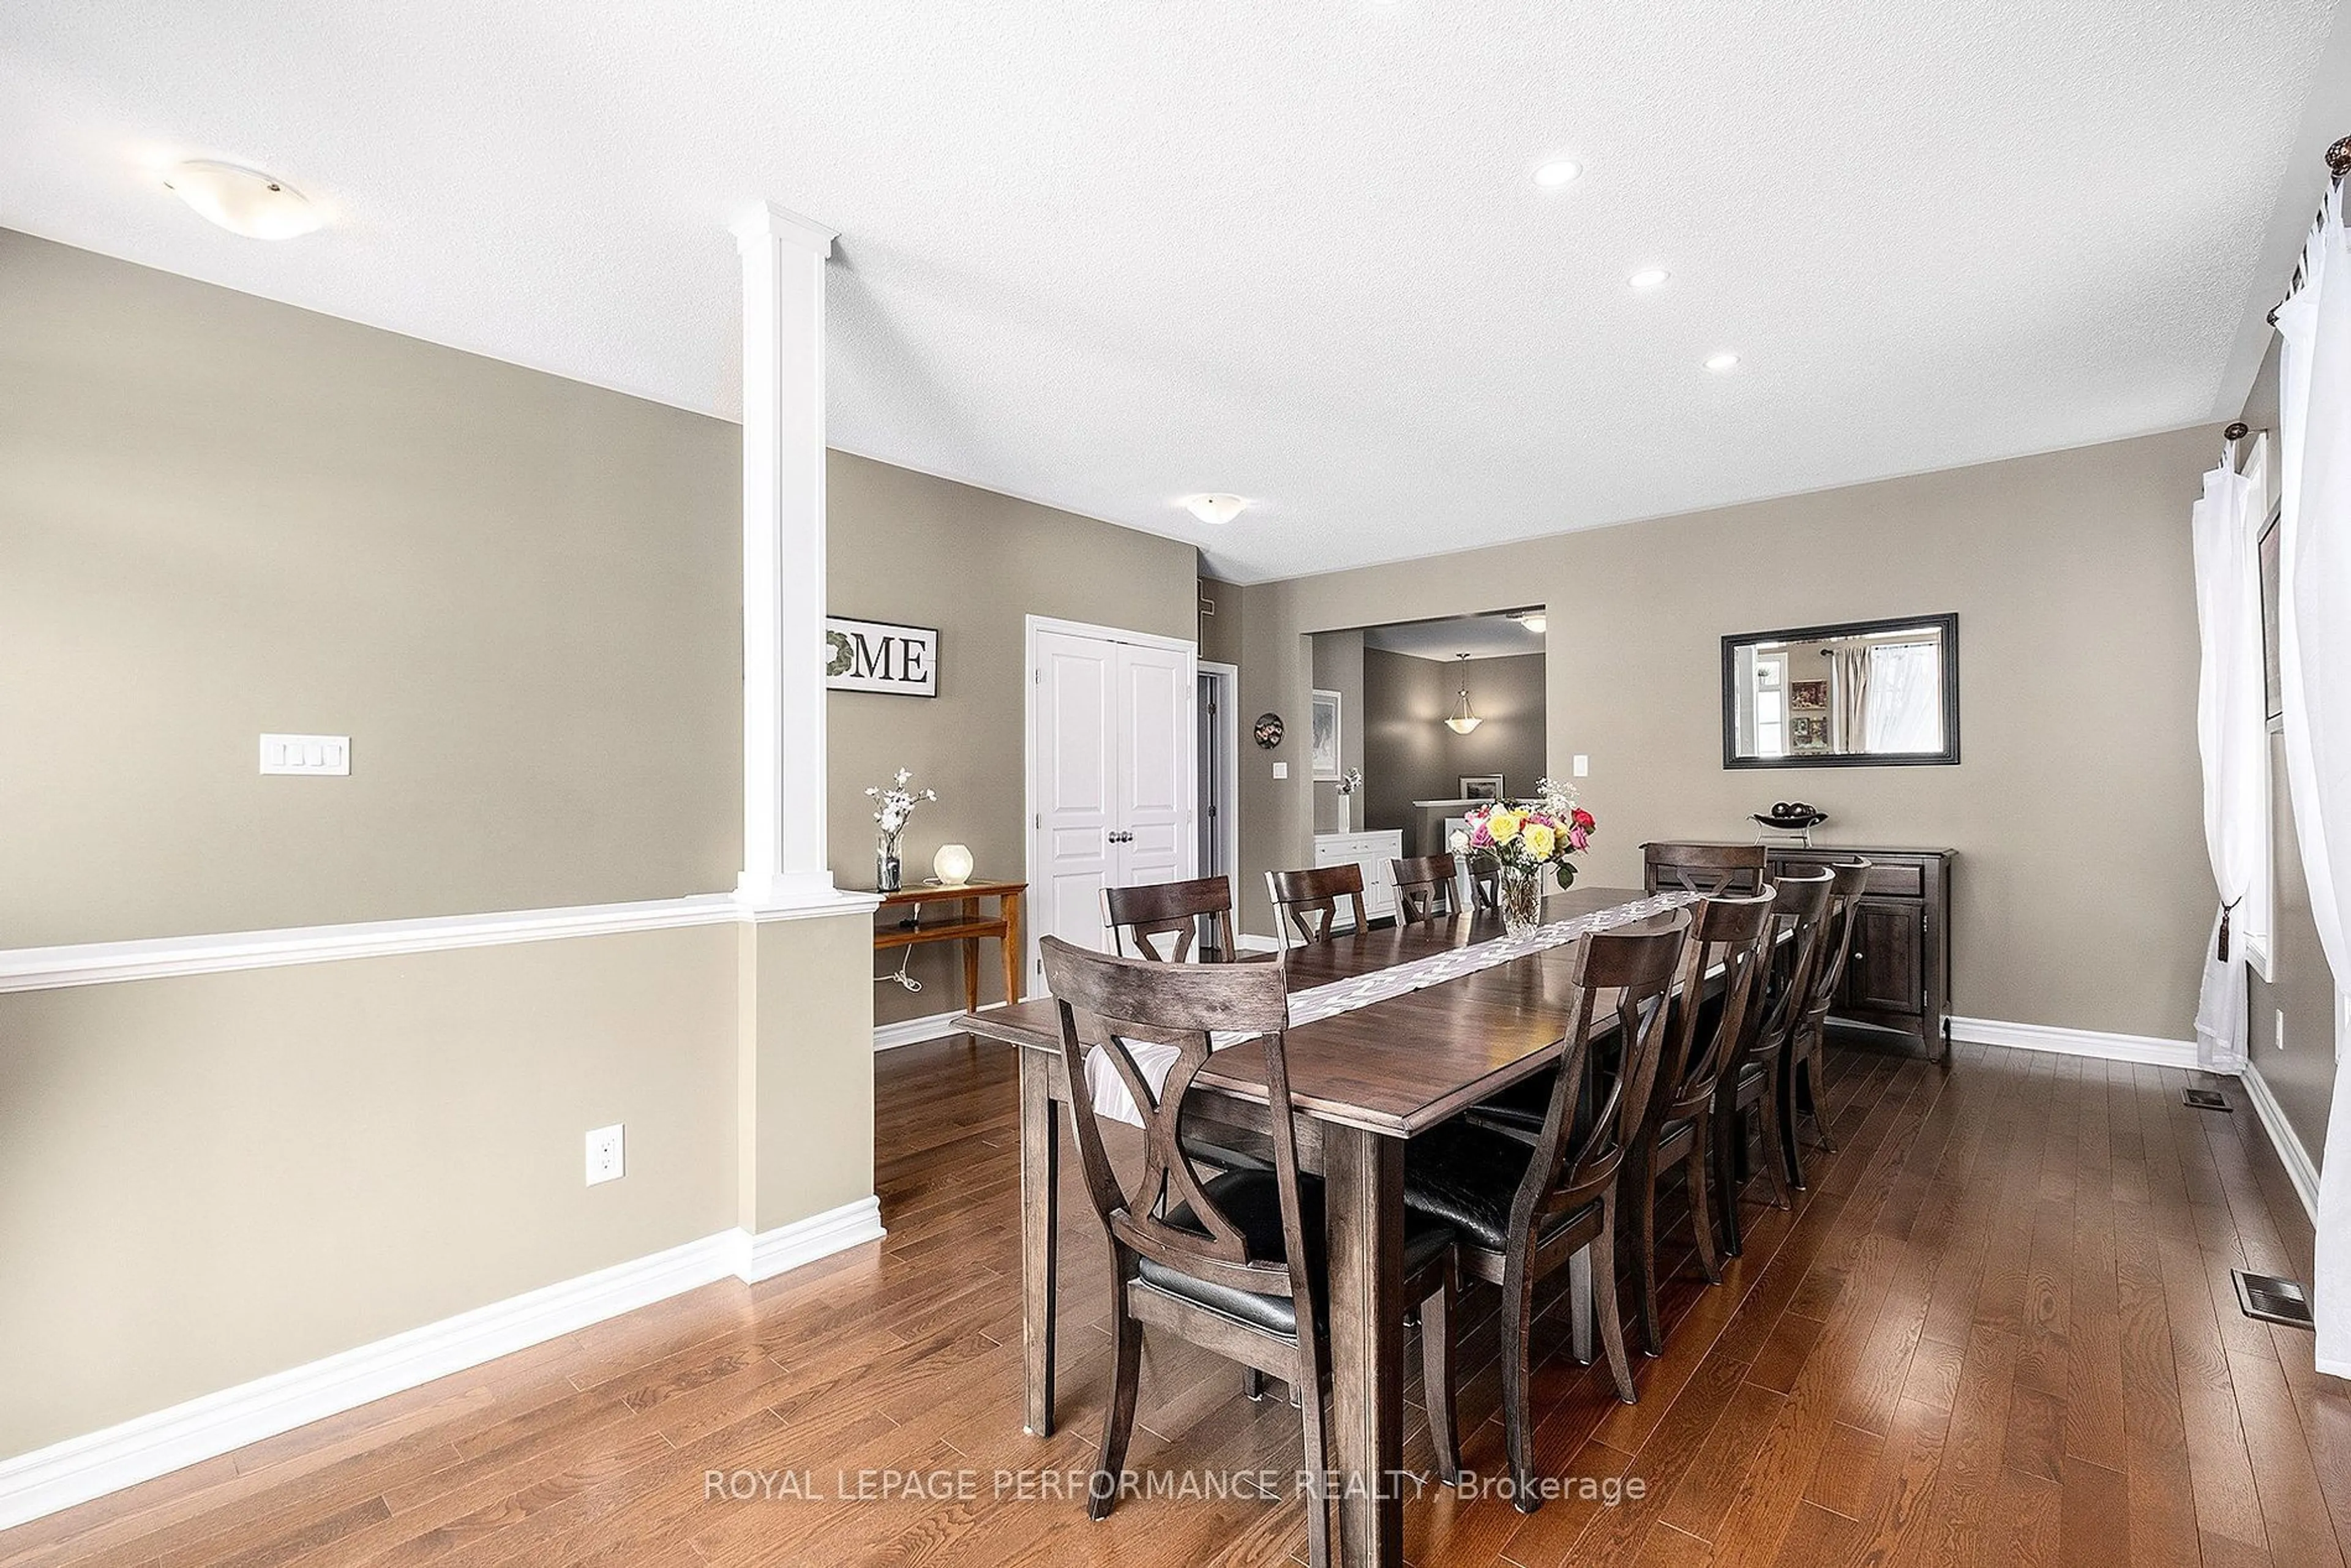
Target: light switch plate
[(319, 756), (1582, 767), (1282, 770), (604, 1155)]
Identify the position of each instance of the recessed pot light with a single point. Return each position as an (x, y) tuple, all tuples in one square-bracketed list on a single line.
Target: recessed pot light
[(1648, 277), (244, 200), (1217, 508), (1557, 172), (1723, 365)]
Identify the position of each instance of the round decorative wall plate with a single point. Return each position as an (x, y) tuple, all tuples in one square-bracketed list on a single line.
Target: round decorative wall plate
[(1268, 730)]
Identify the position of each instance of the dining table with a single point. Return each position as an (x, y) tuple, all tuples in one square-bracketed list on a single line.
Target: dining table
[(1363, 1083)]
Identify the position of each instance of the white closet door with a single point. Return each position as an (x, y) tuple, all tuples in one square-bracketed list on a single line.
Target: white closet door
[(1155, 771), (1113, 773), (1074, 777)]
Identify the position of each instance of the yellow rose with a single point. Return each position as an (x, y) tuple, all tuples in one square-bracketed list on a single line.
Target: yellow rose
[(1503, 826), (1541, 838)]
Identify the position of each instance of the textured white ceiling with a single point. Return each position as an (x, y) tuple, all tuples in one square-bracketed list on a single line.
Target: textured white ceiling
[(1480, 636), (1109, 253)]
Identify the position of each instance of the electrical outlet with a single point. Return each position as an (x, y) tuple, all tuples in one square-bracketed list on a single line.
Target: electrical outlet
[(2279, 1038), (1282, 770), (1582, 767), (604, 1155)]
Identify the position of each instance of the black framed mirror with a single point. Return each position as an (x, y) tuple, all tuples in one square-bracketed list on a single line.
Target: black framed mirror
[(1862, 693)]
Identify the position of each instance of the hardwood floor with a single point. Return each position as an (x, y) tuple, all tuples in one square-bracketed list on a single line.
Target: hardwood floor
[(1999, 1329)]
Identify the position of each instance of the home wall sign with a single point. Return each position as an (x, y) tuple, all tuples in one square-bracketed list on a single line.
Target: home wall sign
[(874, 657)]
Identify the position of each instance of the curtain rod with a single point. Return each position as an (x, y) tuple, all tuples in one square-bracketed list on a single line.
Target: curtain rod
[(2338, 163)]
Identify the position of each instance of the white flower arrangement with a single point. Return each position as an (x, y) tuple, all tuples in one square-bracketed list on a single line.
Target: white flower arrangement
[(897, 804)]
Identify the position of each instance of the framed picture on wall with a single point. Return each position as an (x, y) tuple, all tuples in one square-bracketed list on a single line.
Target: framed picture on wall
[(1326, 735), (1481, 786), (2273, 704)]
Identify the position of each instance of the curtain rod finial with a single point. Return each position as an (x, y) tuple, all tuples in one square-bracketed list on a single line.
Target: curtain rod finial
[(2236, 432)]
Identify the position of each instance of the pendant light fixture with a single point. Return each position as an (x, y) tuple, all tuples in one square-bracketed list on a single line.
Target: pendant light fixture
[(1463, 721)]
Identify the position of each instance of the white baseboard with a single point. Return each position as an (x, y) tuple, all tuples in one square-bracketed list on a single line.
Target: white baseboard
[(914, 1031), (139, 1449), (2076, 1041), (1248, 944), (777, 1252), (2300, 1168)]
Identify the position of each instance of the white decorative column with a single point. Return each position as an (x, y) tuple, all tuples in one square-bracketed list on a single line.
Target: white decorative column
[(784, 862)]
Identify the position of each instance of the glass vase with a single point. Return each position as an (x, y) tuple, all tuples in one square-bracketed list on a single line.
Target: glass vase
[(1522, 899), (889, 873)]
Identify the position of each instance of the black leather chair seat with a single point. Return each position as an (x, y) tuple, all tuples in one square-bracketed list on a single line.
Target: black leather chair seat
[(1253, 1201), (1468, 1176)]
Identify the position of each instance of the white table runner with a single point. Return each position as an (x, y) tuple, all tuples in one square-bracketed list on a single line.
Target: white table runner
[(1108, 1090)]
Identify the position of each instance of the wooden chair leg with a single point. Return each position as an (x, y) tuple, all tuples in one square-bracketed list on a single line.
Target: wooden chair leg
[(1118, 1422), (1517, 1437), (1640, 1171), (1318, 1456), (1252, 1382), (1604, 1282), (1436, 1376), (1729, 1137), (1775, 1163), (1701, 1200), (1815, 1054), (1783, 1118)]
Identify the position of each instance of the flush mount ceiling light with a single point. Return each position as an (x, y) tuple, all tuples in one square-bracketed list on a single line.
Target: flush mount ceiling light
[(1723, 365), (1648, 277), (1463, 721), (1219, 510), (1534, 620), (244, 200), (1551, 176)]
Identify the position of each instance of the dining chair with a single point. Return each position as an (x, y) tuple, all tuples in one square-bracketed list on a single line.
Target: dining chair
[(1677, 1134), (1521, 1211), (1172, 911), (1308, 901), (1801, 1074), (1236, 1264), (1709, 869), (1485, 885), (1426, 886), (1749, 1084)]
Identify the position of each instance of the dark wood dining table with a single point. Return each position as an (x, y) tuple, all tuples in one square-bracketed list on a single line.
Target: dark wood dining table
[(1362, 1084)]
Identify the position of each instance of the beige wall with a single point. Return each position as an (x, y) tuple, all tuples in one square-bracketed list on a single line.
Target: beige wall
[(207, 1179), (911, 548), (522, 597), (1220, 635), (2081, 891), (221, 516), (1411, 756), (2297, 1063)]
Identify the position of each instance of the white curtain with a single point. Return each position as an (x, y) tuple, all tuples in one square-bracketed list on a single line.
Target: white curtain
[(2232, 733), (1906, 697), (2314, 622), (1850, 668)]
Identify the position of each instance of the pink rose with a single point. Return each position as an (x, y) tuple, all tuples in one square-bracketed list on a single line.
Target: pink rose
[(1578, 838), (1481, 838)]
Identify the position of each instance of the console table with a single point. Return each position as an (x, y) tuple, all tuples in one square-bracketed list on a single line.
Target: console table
[(1898, 979), (967, 925)]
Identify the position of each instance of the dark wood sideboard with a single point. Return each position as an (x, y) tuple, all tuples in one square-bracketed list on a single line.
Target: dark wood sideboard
[(1898, 980)]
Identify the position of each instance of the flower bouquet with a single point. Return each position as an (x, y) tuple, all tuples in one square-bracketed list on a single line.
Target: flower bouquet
[(897, 803), (1528, 839)]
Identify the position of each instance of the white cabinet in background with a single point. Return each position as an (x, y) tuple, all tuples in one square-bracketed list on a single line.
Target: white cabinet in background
[(1373, 851)]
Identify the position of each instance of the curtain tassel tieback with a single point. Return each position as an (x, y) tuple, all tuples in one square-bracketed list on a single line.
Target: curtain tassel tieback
[(2223, 952)]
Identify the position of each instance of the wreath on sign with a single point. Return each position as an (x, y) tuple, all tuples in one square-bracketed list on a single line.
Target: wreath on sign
[(842, 659)]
